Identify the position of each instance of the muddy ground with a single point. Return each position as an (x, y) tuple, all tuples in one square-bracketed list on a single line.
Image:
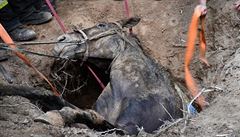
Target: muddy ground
[(162, 30)]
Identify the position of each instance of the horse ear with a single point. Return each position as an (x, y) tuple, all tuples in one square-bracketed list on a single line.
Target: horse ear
[(129, 23)]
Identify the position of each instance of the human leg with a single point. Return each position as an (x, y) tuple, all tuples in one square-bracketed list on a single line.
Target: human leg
[(8, 18), (13, 26), (27, 13)]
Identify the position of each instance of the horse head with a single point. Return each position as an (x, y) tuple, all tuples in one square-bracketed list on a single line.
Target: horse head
[(99, 41)]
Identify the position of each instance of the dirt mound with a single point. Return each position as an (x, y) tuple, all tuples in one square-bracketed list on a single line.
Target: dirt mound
[(17, 115), (163, 32)]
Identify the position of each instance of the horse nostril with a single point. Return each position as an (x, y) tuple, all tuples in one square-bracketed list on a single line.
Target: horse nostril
[(61, 38)]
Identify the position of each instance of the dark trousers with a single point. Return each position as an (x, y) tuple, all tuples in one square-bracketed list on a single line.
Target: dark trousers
[(16, 10)]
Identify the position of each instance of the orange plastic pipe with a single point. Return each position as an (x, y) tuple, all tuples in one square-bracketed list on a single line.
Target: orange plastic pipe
[(192, 36), (8, 40)]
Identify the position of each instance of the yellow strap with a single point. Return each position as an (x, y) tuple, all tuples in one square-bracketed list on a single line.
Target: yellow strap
[(3, 3)]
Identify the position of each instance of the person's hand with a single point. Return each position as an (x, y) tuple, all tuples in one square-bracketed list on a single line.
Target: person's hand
[(237, 5), (203, 9)]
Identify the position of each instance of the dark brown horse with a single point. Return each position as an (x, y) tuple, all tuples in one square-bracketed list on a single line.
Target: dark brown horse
[(141, 93)]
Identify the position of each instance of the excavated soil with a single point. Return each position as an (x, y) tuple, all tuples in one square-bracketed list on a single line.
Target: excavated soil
[(163, 31)]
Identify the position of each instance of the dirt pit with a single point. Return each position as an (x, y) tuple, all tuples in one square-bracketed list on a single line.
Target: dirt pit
[(163, 31)]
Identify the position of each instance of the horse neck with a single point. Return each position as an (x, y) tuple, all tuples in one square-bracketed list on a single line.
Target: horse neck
[(106, 48), (112, 46)]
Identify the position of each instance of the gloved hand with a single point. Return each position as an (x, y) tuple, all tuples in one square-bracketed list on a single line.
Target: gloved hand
[(237, 5), (203, 8)]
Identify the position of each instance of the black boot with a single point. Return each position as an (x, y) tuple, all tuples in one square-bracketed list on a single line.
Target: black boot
[(22, 34), (37, 18)]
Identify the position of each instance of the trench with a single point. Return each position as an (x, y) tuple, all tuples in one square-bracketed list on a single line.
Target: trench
[(77, 84)]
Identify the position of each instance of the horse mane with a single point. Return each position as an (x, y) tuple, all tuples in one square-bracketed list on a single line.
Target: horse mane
[(145, 50)]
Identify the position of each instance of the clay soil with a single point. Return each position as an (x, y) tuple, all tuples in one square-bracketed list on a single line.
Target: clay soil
[(163, 31)]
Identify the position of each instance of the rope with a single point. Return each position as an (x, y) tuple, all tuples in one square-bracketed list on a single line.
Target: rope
[(63, 28), (96, 77), (127, 12), (42, 43), (7, 39), (192, 35), (65, 31), (31, 52)]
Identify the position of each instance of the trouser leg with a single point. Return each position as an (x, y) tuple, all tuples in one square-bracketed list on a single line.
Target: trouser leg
[(8, 18), (24, 8)]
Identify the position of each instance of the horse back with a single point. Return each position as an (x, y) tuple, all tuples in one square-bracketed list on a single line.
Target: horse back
[(141, 93)]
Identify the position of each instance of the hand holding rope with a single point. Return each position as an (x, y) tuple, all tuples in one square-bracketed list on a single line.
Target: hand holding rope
[(192, 35)]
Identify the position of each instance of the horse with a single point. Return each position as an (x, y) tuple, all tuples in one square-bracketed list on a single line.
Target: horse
[(141, 93)]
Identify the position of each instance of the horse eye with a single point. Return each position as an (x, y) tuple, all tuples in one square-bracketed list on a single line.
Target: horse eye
[(102, 25)]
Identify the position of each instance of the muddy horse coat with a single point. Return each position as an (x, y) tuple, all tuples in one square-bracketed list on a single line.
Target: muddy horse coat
[(141, 92)]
